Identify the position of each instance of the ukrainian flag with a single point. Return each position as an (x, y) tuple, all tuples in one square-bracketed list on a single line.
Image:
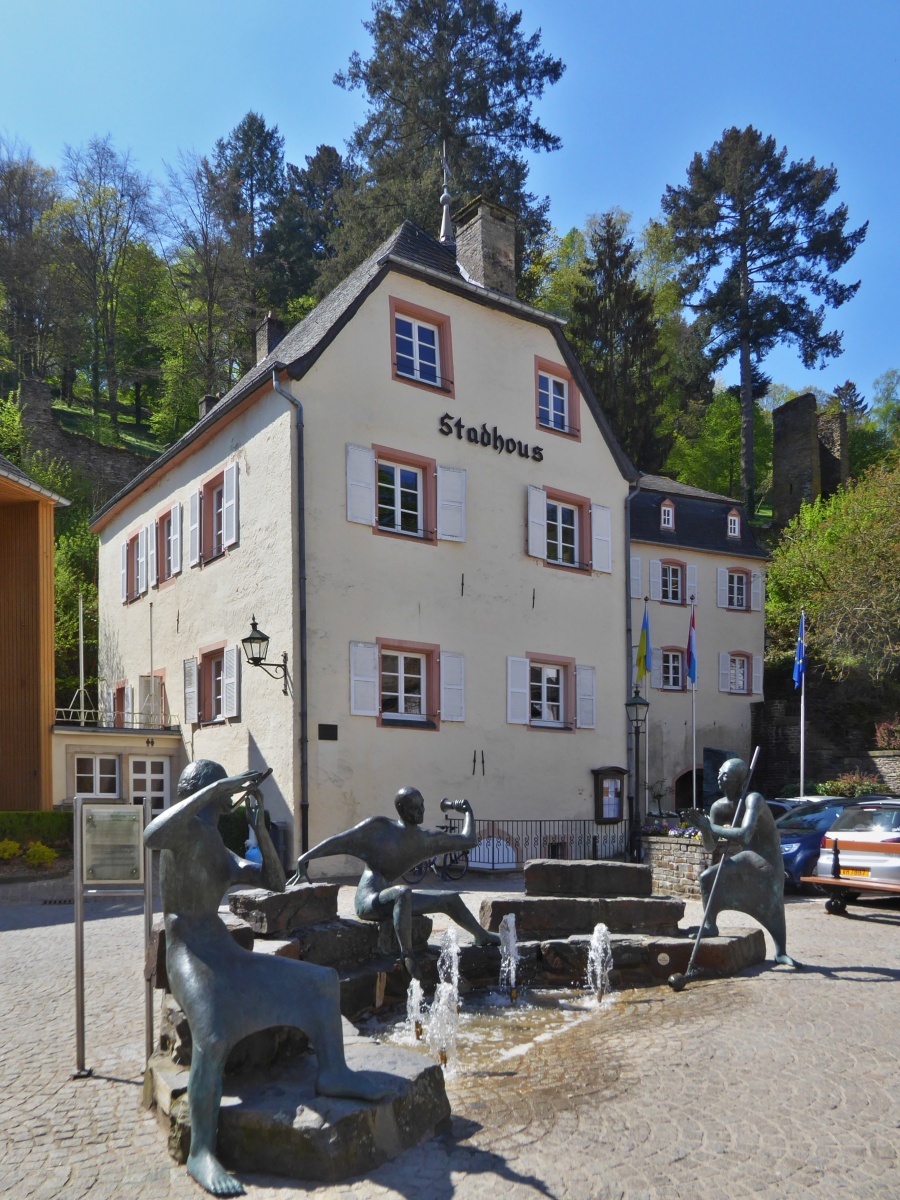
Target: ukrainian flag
[(643, 653)]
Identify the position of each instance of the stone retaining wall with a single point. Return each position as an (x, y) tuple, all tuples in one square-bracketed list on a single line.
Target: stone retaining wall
[(677, 863), (884, 763)]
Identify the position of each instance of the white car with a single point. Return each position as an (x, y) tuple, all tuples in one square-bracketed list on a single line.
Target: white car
[(860, 854)]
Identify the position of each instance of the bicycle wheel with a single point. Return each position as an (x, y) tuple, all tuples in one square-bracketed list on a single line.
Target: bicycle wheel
[(416, 874), (456, 865)]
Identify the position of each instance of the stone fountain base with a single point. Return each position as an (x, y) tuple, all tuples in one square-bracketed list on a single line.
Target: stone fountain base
[(272, 1120)]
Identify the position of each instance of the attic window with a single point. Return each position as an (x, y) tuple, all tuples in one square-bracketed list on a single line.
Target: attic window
[(667, 515), (734, 524)]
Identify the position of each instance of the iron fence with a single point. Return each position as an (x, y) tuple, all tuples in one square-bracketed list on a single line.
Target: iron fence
[(506, 845)]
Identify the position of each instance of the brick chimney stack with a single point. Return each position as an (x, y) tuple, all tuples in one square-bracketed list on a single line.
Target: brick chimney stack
[(208, 402), (486, 244), (268, 335)]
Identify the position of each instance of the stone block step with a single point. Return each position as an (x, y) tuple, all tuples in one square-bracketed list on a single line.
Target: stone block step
[(270, 913), (586, 877), (540, 917)]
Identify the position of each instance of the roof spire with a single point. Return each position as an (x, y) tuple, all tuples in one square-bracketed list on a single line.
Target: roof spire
[(447, 238)]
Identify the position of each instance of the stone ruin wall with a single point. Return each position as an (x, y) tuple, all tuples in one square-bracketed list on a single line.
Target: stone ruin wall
[(108, 468)]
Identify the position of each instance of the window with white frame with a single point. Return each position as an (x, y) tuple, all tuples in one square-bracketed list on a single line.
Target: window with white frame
[(737, 590), (403, 686), (400, 499), (546, 695), (734, 525), (170, 543), (212, 517), (562, 534), (673, 670), (671, 583), (417, 350), (740, 673), (218, 521), (96, 775), (553, 401), (667, 515), (150, 777), (212, 686)]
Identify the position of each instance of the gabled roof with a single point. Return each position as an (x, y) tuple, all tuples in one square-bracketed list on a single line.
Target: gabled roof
[(412, 251), (15, 474), (700, 519)]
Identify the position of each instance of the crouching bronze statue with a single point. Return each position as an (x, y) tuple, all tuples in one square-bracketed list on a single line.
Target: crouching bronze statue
[(227, 992)]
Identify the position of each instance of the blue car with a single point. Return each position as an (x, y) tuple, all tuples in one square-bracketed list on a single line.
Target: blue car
[(801, 832)]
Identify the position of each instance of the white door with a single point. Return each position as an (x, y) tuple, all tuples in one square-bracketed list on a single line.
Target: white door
[(150, 777)]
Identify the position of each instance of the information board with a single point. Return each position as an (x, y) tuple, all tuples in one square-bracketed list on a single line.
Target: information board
[(113, 843)]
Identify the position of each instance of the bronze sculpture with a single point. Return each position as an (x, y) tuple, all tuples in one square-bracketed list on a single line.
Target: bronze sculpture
[(388, 848), (227, 992), (751, 880)]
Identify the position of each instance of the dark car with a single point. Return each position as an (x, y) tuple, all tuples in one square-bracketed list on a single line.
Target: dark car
[(801, 832)]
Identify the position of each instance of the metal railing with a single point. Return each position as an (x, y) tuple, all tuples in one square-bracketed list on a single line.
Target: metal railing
[(102, 719), (506, 845)]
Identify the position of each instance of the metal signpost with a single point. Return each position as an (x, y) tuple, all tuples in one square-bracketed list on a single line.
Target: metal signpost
[(109, 852)]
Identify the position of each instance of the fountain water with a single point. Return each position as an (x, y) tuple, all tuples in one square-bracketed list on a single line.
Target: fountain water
[(414, 1011), (509, 956), (443, 1017), (599, 962)]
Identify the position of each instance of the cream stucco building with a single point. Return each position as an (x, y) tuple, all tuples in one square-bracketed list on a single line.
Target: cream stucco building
[(435, 538), (687, 544)]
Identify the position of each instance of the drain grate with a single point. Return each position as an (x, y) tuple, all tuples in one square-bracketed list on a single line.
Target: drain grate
[(70, 900)]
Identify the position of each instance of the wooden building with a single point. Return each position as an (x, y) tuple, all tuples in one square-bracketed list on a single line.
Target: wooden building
[(26, 643)]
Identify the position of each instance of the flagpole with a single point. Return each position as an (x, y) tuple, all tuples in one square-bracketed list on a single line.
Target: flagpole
[(692, 668), (803, 710)]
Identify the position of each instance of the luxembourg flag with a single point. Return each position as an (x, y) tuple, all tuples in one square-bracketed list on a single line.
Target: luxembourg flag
[(692, 649)]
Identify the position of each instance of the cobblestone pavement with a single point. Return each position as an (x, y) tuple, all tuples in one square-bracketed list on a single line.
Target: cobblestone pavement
[(771, 1084)]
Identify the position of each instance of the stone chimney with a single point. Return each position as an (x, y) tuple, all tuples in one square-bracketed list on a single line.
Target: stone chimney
[(268, 335), (486, 244), (206, 404)]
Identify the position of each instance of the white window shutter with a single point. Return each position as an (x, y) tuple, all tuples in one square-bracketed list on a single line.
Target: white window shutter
[(361, 485), (692, 583), (451, 504), (635, 577), (124, 572), (517, 690), (656, 676), (194, 529), (176, 539), (724, 671), (191, 696), (601, 538), (142, 559), (230, 505), (585, 697), (537, 523), (453, 686), (231, 666), (756, 592), (151, 555), (129, 706), (721, 588), (757, 674), (655, 579), (364, 679)]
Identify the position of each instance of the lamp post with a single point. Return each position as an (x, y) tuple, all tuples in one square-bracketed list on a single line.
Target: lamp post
[(636, 708), (256, 647)]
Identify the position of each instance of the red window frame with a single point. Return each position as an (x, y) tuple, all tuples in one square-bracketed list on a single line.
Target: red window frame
[(416, 312), (428, 467), (430, 652), (570, 713), (545, 366)]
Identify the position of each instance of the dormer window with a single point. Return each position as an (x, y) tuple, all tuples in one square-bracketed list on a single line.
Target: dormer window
[(667, 515), (734, 524)]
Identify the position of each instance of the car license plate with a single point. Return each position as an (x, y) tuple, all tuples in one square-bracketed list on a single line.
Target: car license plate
[(854, 871)]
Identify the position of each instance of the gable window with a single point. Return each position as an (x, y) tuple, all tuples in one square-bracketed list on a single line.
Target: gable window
[(545, 691), (420, 346), (734, 524), (565, 530), (667, 515), (213, 517), (556, 398), (406, 684), (400, 499), (96, 775)]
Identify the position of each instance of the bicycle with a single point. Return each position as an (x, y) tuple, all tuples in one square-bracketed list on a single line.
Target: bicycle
[(453, 866)]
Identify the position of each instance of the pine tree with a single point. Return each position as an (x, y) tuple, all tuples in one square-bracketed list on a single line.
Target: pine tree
[(758, 246), (852, 403), (454, 72)]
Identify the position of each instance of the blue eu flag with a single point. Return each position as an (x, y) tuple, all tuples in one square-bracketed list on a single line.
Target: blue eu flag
[(800, 656)]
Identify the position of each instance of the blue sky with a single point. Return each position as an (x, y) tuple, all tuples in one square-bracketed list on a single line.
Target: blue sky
[(648, 83)]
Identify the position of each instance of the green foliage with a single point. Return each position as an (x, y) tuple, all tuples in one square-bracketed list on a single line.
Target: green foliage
[(558, 271), (707, 451), (39, 855), (12, 431), (886, 403), (53, 826), (840, 558), (759, 248), (850, 784), (887, 734), (9, 849)]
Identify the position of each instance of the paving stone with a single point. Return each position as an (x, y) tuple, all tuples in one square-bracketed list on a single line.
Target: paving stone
[(586, 877), (279, 912)]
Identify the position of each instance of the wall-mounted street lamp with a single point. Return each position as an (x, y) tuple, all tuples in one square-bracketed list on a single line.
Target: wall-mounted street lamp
[(636, 708), (256, 647)]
